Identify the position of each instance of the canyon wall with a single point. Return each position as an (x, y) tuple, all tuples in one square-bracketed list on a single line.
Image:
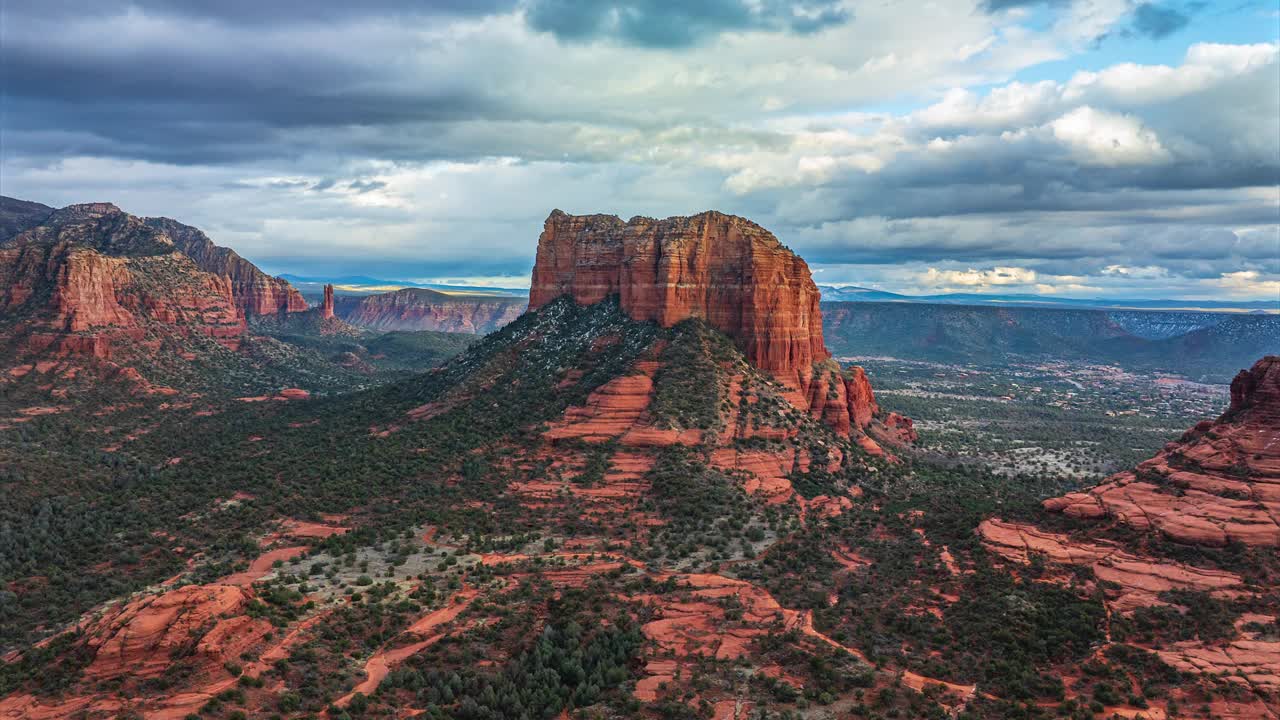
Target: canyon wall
[(421, 309), (255, 292), (93, 278)]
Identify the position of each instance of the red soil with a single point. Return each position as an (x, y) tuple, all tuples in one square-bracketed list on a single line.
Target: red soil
[(262, 565)]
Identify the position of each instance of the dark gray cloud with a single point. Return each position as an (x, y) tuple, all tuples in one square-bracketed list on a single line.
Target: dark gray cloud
[(307, 133), (664, 24), (259, 12), (1157, 21), (1151, 19)]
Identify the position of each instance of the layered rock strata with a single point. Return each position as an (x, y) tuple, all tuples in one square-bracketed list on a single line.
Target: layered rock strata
[(414, 309), (727, 271), (1218, 484)]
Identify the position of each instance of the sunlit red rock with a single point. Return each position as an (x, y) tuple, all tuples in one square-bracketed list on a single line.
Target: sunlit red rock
[(724, 269)]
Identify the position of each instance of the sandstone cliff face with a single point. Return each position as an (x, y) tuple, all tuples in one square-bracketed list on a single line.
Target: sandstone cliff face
[(422, 309), (93, 278), (725, 270), (255, 292), (1219, 483)]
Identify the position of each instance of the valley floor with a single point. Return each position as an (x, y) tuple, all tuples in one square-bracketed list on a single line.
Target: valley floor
[(1054, 418)]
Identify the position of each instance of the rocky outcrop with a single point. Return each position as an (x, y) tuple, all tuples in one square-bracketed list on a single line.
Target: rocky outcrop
[(92, 279), (415, 309), (326, 308), (142, 638), (255, 292), (1137, 580), (724, 269), (1219, 483)]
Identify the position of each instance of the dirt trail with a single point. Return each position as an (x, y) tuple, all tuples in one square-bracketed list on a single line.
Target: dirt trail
[(383, 661), (262, 565)]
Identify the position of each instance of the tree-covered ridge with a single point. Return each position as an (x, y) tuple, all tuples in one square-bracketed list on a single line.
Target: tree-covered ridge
[(496, 569)]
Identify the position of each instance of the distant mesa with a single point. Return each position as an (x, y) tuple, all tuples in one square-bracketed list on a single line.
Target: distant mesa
[(723, 269), (413, 309)]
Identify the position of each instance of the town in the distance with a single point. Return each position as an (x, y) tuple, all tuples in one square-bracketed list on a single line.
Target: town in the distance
[(674, 478)]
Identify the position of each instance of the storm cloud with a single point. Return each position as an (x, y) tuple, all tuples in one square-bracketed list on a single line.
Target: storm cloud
[(429, 139)]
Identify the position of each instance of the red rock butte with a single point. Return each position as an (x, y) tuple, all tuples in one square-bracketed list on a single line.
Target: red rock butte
[(724, 269)]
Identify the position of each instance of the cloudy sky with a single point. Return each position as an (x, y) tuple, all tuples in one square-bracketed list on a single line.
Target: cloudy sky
[(1122, 148)]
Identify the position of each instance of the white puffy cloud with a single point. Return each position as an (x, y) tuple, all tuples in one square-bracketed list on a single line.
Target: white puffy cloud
[(1248, 283), (996, 276), (1101, 138)]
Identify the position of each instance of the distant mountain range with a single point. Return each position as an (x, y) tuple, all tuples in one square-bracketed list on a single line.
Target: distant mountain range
[(1202, 340), (1203, 346), (851, 293), (365, 285)]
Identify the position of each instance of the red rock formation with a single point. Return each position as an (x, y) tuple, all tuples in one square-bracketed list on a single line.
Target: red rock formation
[(255, 292), (93, 279), (1219, 483), (862, 401), (1138, 580), (724, 269), (422, 309), (326, 310), (140, 638)]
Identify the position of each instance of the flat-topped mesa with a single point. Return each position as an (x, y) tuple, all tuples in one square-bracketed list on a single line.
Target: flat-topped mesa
[(724, 269)]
